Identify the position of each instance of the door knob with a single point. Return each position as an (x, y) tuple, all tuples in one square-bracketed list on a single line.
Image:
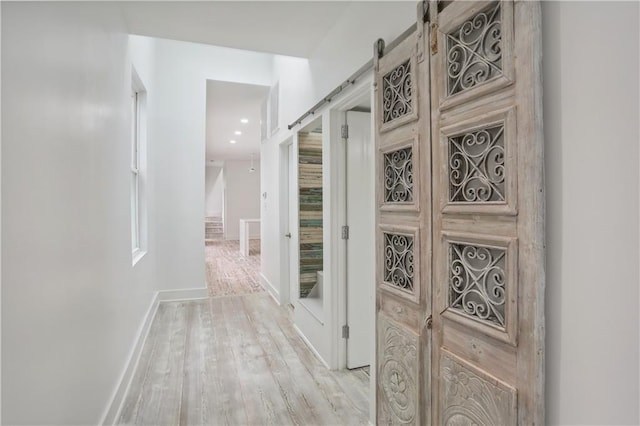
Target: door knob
[(288, 235)]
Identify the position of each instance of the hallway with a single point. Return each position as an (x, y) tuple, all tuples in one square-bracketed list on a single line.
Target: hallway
[(236, 359)]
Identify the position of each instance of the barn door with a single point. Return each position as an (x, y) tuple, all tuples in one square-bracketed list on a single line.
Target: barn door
[(403, 230), (460, 218), (488, 211)]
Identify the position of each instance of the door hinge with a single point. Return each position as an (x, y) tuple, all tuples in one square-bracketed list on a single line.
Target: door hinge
[(345, 232), (424, 13), (345, 131), (345, 331), (423, 7), (434, 37)]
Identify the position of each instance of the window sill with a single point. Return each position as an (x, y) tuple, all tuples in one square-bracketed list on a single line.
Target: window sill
[(137, 255)]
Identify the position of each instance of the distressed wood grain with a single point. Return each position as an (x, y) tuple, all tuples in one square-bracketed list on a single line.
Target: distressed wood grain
[(487, 121), (239, 361)]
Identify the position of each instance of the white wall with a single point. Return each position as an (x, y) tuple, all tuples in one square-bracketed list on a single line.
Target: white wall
[(349, 44), (71, 301), (177, 129), (213, 191), (296, 96), (242, 197), (591, 141), (296, 88)]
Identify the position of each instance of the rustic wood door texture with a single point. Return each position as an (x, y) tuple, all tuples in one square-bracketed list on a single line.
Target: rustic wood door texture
[(488, 210), (461, 241), (403, 236)]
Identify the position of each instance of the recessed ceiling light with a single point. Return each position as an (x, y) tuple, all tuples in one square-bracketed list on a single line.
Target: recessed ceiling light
[(238, 132), (232, 141), (244, 120)]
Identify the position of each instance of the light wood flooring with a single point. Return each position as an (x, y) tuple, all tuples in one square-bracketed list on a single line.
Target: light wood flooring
[(230, 273), (237, 360)]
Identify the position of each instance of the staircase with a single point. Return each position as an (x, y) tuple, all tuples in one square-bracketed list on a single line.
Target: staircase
[(213, 229)]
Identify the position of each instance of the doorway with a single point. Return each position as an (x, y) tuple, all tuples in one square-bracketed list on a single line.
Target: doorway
[(354, 156), (214, 202), (288, 227), (360, 222)]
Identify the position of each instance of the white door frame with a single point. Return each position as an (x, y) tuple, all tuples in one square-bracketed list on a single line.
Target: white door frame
[(333, 117), (337, 246), (288, 246)]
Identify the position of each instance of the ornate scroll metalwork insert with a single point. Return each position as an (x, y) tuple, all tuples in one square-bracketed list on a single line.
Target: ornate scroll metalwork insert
[(474, 51), (477, 281), (398, 176), (477, 166), (397, 90), (398, 261)]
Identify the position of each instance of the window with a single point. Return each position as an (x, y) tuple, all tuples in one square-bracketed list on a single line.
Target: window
[(138, 168)]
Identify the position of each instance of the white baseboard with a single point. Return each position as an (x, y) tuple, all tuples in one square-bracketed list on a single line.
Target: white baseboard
[(114, 407), (182, 294), (275, 294), (308, 343), (124, 383)]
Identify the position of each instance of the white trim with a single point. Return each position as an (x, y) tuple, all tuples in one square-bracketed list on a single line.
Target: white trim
[(373, 369), (338, 312), (337, 246), (273, 292), (114, 408), (286, 244), (294, 219), (316, 312), (138, 254), (308, 343), (116, 402), (139, 169), (183, 294)]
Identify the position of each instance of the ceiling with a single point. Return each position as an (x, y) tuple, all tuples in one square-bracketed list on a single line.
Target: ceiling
[(227, 104), (263, 26), (292, 28)]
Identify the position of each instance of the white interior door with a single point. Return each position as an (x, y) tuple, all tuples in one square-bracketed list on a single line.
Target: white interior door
[(360, 245), (293, 261)]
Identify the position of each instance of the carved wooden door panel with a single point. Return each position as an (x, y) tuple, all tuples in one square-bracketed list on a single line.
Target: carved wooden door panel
[(488, 211), (403, 231)]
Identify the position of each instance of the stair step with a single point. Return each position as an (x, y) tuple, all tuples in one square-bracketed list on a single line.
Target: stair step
[(213, 228)]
